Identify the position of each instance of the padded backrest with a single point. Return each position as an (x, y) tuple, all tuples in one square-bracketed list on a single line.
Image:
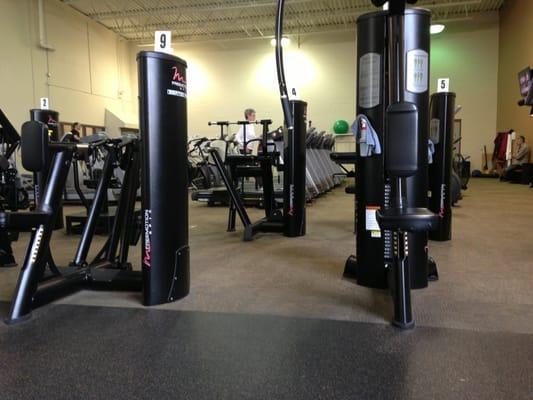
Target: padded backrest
[(34, 149), (401, 140), (94, 138)]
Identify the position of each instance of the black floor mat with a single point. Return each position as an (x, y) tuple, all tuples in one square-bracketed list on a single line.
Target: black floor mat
[(79, 352)]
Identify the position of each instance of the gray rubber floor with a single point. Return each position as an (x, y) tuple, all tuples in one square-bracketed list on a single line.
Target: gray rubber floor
[(486, 271), (274, 319), (80, 352)]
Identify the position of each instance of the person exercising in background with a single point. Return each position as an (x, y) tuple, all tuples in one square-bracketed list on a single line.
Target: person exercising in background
[(76, 128), (249, 115)]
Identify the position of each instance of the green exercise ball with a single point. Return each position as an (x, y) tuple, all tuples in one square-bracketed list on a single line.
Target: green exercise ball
[(341, 127)]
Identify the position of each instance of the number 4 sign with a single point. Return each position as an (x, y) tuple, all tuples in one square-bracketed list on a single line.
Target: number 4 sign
[(293, 94), (163, 41), (443, 85)]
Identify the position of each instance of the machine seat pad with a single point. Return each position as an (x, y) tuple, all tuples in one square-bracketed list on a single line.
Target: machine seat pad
[(344, 158), (407, 219)]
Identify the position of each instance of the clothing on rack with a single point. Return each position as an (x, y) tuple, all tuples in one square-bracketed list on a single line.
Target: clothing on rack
[(501, 143), (509, 149)]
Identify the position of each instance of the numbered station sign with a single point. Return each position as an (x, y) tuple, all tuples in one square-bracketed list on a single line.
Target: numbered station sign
[(44, 103), (294, 94), (163, 41), (443, 85)]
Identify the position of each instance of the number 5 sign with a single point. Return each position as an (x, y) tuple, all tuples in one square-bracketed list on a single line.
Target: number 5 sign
[(163, 41), (443, 85)]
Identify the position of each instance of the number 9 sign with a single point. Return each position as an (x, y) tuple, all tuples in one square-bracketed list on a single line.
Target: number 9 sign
[(163, 41)]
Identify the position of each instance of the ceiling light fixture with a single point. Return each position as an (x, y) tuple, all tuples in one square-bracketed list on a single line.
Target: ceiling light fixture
[(436, 28), (285, 41)]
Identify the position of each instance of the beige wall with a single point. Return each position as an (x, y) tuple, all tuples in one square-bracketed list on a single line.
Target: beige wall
[(92, 69), (226, 77), (516, 53), (16, 68), (88, 72)]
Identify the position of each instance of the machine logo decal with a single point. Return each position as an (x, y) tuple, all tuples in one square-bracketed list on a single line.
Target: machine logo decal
[(291, 200), (369, 80), (442, 197), (179, 83), (177, 76), (147, 257)]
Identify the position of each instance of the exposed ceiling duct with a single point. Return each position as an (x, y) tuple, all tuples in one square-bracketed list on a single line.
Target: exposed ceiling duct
[(205, 20)]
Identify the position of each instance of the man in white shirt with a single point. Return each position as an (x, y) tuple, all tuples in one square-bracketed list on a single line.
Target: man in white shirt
[(249, 115)]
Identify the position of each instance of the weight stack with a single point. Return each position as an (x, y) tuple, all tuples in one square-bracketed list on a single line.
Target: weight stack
[(442, 112), (163, 126), (374, 253), (294, 172)]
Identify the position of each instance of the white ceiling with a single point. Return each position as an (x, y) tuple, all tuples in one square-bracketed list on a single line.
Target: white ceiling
[(206, 20)]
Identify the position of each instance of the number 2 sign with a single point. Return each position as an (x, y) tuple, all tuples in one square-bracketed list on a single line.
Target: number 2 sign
[(44, 103)]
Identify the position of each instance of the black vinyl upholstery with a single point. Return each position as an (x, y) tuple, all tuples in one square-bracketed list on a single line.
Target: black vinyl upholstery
[(34, 146)]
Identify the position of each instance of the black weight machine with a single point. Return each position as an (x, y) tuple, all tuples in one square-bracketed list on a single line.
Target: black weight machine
[(247, 165), (50, 118), (165, 251), (392, 219), (216, 193), (290, 219), (441, 186), (40, 280), (164, 182), (405, 214), (13, 196)]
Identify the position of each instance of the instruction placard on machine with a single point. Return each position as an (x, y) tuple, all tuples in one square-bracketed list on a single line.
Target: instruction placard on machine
[(369, 80), (417, 71), (434, 130), (371, 223)]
